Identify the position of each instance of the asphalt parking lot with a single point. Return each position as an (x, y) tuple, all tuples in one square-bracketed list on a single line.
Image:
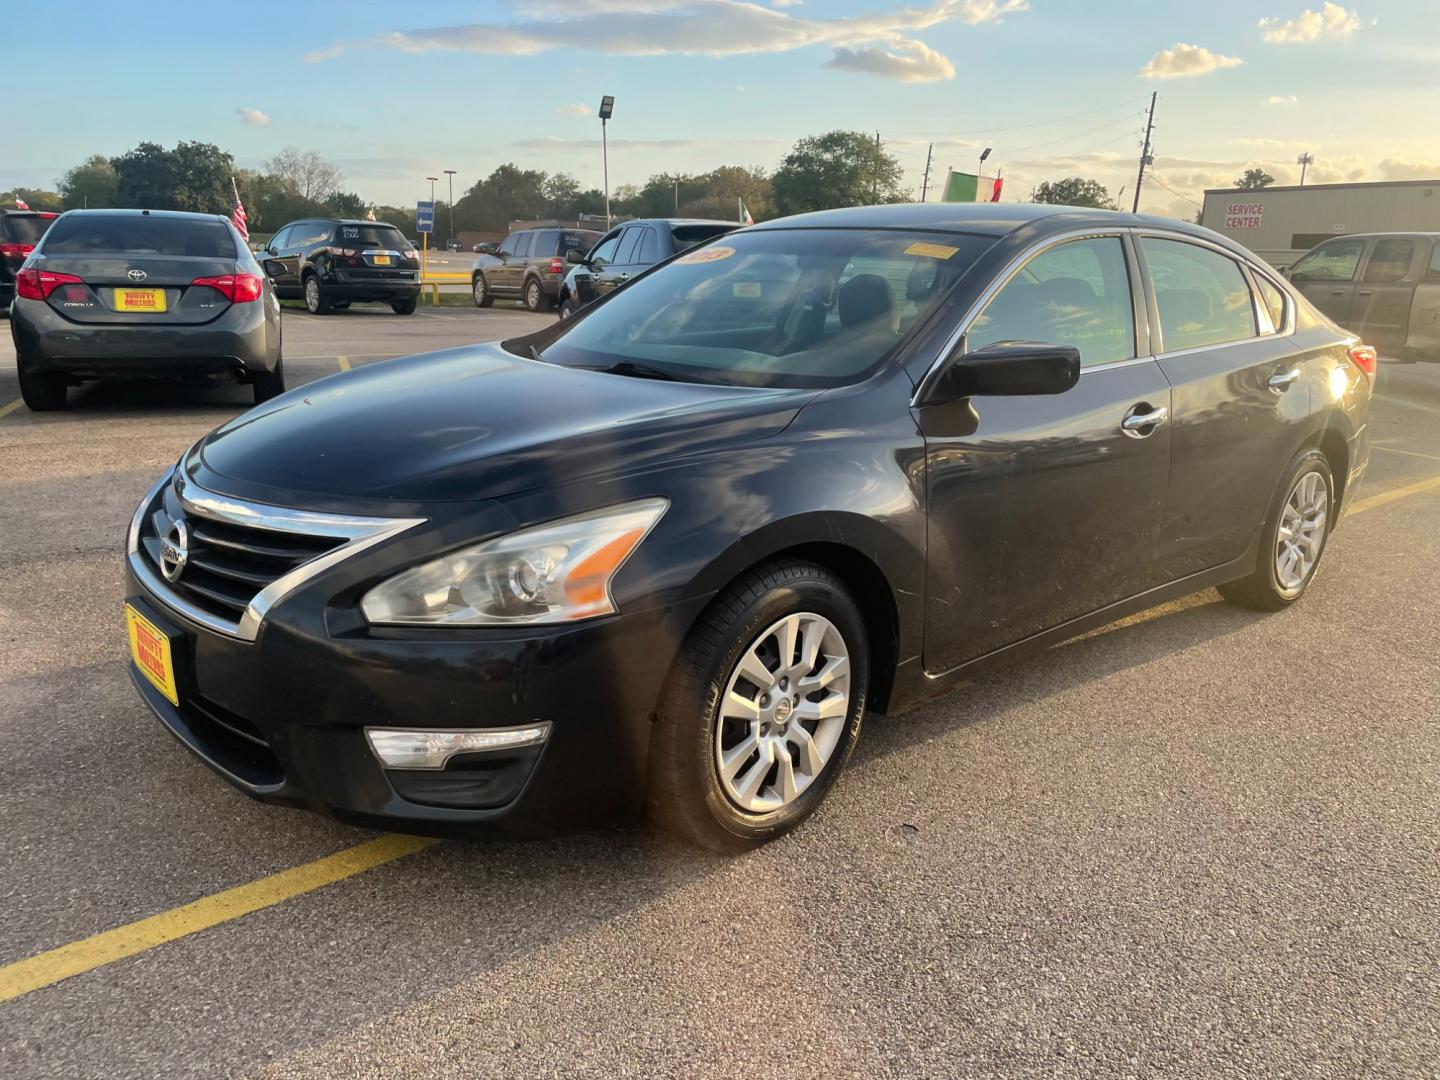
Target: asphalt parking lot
[(1199, 843)]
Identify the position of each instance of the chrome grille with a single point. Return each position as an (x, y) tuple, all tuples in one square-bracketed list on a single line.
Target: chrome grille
[(239, 557)]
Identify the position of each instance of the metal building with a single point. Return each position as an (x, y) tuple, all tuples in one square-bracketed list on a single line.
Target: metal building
[(1282, 223)]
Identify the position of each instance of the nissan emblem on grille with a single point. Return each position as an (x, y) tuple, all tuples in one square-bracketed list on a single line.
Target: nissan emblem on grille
[(137, 275), (174, 550)]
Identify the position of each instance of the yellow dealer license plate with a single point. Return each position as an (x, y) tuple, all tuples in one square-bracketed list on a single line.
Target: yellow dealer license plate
[(150, 649), (382, 260), (140, 300)]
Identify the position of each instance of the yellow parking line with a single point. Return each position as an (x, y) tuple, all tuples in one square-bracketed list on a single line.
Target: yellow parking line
[(47, 968), (1407, 453), (6, 410), (1384, 498), (344, 362)]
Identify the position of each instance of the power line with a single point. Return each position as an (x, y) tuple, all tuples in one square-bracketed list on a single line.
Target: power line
[(1039, 123), (1172, 191), (1080, 153), (1071, 135)]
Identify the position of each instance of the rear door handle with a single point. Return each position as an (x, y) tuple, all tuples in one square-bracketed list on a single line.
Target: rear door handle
[(1365, 292), (1337, 292), (1282, 380), (1140, 425)]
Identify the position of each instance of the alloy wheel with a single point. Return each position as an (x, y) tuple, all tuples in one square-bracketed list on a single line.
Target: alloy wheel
[(783, 712), (532, 296), (478, 288), (1302, 532), (312, 295)]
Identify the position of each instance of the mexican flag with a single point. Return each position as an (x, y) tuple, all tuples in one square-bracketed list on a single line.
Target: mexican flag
[(968, 187)]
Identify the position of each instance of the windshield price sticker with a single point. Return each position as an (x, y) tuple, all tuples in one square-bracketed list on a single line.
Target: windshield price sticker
[(931, 251), (349, 232), (707, 255)]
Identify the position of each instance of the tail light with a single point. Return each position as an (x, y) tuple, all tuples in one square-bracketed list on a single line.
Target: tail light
[(237, 288), (557, 265), (1365, 358), (348, 256), (48, 214), (15, 251), (35, 284)]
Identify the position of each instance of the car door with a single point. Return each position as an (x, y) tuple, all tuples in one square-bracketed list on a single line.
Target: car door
[(499, 272), (280, 272), (1240, 400), (1326, 275), (1380, 312), (1045, 509), (587, 275), (614, 274), (516, 262)]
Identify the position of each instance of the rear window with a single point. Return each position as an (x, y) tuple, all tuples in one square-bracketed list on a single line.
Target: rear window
[(83, 234), (386, 236), (24, 228), (580, 241), (546, 243), (690, 235)]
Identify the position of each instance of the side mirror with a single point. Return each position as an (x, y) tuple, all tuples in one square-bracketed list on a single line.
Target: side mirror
[(1005, 368), (272, 267), (575, 257)]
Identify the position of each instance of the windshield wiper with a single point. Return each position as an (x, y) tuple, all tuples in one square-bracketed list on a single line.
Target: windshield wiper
[(634, 369)]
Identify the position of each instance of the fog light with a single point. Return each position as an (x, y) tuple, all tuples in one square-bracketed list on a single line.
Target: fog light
[(406, 748)]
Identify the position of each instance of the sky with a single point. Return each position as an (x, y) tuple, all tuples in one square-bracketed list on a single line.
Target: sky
[(394, 92)]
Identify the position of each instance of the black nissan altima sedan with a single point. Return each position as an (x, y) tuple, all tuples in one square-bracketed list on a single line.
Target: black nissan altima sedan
[(669, 553)]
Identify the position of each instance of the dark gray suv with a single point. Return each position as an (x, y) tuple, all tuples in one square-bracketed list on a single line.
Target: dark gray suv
[(530, 266)]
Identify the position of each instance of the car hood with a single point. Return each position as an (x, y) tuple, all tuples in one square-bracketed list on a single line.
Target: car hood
[(479, 422)]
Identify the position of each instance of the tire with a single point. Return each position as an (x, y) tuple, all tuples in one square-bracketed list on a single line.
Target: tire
[(1286, 567), (534, 297), (343, 305), (315, 301), (567, 308), (404, 307), (480, 289), (686, 792), (269, 384), (43, 392)]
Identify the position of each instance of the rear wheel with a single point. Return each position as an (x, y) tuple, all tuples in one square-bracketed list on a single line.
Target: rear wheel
[(761, 709), (269, 384), (315, 301), (43, 392), (1295, 534), (535, 298), (567, 308), (480, 289), (403, 307)]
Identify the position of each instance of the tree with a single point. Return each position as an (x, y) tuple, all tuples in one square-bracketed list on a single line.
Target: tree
[(841, 168), (561, 192), (306, 173), (145, 177), (194, 176), (1254, 180), (1074, 191), (508, 194), (93, 183)]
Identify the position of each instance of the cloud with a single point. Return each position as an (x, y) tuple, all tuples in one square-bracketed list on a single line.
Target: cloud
[(577, 109), (1185, 60), (1394, 169), (785, 3), (905, 61), (1331, 21), (879, 43), (319, 55), (253, 117), (1282, 99)]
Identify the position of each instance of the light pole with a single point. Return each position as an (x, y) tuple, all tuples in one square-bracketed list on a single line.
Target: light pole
[(983, 155), (607, 110), (1305, 160), (432, 180), (451, 174)]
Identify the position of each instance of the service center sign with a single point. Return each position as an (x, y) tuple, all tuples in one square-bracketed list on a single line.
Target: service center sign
[(1244, 215)]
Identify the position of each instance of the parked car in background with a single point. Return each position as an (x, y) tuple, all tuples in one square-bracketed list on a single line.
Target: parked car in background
[(628, 250), (529, 264), (20, 231), (115, 293), (667, 554), (1384, 286), (331, 263)]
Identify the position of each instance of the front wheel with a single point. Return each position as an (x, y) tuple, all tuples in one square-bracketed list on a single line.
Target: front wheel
[(535, 298), (404, 307), (1295, 533), (761, 709), (480, 289)]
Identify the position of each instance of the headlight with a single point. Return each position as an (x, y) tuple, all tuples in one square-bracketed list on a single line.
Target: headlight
[(558, 572)]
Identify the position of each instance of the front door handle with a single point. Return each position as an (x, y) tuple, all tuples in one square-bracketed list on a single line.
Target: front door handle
[(1140, 425), (1365, 292), (1282, 380), (1337, 292)]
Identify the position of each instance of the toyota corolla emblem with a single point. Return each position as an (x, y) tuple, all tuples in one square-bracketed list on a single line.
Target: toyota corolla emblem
[(174, 551), (137, 275)]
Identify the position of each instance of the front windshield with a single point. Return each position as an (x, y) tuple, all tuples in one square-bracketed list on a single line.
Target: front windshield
[(778, 307)]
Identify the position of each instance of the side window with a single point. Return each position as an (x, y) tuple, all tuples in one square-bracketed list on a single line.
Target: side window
[(629, 245), (604, 252), (1335, 261), (1075, 294), (1274, 301), (507, 246), (546, 244), (649, 247), (1390, 261), (310, 232), (1202, 295), (1433, 274), (522, 244), (281, 238)]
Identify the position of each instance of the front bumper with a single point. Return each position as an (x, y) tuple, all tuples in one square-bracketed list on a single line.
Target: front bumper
[(283, 717)]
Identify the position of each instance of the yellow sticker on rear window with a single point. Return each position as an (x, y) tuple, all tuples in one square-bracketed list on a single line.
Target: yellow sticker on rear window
[(707, 255), (745, 290), (932, 251)]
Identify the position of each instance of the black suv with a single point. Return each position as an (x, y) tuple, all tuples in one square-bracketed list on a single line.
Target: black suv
[(20, 231), (530, 265), (331, 263), (630, 249)]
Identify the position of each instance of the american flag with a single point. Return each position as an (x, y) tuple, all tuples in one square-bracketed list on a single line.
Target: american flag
[(237, 216)]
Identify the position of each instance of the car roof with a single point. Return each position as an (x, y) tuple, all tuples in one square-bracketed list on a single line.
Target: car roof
[(181, 215), (980, 219), (678, 221)]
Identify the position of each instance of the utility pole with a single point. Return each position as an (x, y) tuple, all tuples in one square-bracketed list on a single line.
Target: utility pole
[(1145, 158), (607, 110), (451, 174), (925, 183), (1304, 161), (676, 178), (875, 186)]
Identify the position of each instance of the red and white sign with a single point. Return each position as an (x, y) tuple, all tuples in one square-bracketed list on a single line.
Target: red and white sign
[(1244, 215)]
